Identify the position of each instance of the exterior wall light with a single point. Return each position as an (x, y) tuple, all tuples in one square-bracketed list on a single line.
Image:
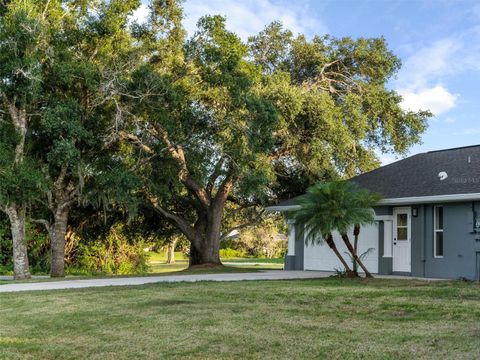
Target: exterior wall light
[(415, 212)]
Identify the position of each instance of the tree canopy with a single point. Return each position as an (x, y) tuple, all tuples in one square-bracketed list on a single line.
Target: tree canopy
[(205, 129)]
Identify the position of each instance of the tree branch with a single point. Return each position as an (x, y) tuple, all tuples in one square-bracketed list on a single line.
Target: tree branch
[(180, 223), (215, 174), (224, 189), (42, 222), (243, 226), (135, 140), (178, 154)]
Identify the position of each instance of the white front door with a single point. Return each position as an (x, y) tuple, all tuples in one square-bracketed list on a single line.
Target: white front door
[(402, 239)]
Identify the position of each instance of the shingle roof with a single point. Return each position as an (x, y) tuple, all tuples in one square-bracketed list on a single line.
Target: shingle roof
[(419, 175)]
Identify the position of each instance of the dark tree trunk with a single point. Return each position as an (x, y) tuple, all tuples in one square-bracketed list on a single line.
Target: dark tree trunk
[(171, 252), (205, 247), (356, 232), (352, 251), (204, 235), (16, 215), (331, 244), (57, 233)]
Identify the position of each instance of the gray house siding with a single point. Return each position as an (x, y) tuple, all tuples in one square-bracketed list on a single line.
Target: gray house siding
[(461, 258), (299, 247), (296, 262), (419, 227), (384, 263), (459, 242)]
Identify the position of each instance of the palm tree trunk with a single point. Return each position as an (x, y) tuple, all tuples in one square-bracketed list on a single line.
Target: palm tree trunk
[(356, 232), (352, 251), (331, 244)]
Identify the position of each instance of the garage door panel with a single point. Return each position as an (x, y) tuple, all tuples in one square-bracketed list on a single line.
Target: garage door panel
[(321, 257)]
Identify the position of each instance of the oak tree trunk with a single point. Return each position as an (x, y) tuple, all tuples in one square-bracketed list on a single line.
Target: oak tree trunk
[(16, 212), (16, 215), (205, 249), (352, 251), (57, 233), (171, 252)]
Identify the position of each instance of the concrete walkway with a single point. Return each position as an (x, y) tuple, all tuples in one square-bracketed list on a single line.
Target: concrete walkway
[(78, 284), (125, 281)]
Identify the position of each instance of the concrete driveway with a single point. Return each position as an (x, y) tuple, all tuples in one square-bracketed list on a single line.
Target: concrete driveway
[(125, 281)]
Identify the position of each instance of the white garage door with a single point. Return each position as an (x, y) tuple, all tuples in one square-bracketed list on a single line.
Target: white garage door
[(321, 257)]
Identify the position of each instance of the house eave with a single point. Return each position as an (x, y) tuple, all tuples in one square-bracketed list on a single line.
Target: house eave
[(402, 201), (430, 199), (282, 208)]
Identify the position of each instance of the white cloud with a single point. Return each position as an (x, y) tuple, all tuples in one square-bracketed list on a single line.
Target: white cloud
[(428, 65), (248, 17), (422, 72), (437, 99), (140, 15), (469, 131), (429, 62)]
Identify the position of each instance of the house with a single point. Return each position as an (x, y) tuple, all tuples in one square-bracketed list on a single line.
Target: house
[(427, 225)]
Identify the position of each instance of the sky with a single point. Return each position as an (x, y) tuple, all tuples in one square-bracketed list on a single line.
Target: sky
[(438, 42)]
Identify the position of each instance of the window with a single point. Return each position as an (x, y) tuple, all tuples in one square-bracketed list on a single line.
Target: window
[(402, 226), (438, 232)]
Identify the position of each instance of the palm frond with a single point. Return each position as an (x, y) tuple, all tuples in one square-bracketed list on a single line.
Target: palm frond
[(334, 206)]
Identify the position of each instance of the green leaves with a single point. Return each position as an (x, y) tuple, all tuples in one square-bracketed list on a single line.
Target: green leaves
[(333, 103), (334, 206), (20, 183)]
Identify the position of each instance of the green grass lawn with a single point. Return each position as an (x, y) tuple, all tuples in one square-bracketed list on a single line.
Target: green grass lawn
[(303, 319)]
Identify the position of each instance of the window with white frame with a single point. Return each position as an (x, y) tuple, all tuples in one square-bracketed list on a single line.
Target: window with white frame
[(438, 231)]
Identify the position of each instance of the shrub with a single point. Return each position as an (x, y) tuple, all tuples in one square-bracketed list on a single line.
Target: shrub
[(113, 255), (263, 240), (38, 248), (232, 253)]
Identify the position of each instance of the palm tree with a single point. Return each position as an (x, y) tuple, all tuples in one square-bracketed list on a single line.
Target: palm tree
[(336, 206)]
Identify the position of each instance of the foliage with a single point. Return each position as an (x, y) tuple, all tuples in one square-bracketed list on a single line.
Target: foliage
[(203, 131), (334, 206), (37, 243), (236, 125), (263, 240), (38, 249), (6, 265), (227, 253), (361, 256), (115, 254)]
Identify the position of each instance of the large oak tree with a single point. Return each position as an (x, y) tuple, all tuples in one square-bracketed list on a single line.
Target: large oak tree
[(219, 125)]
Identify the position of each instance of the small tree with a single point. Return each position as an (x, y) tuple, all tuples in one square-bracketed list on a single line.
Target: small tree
[(72, 134), (336, 206), (23, 52)]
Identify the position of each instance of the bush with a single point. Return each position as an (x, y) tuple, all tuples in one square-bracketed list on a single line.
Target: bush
[(232, 253), (263, 240), (113, 255)]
